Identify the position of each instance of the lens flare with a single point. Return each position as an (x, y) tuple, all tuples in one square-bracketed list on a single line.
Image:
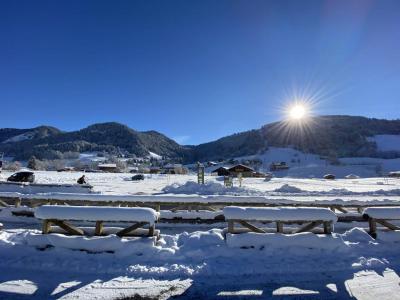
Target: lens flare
[(297, 111)]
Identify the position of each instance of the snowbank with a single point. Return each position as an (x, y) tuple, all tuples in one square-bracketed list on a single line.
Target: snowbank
[(286, 188), (93, 244), (306, 199), (279, 213), (209, 188), (33, 188), (305, 240), (97, 213)]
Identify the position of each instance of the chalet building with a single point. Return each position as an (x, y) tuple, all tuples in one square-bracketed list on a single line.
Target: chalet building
[(244, 170), (221, 171), (111, 168)]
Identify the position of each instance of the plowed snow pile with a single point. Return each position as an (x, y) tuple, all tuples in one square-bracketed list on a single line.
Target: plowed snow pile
[(209, 188)]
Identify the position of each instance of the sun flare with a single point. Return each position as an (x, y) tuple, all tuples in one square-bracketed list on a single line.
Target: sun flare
[(297, 111)]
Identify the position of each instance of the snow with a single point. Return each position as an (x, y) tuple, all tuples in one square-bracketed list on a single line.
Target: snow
[(184, 214), (285, 199), (19, 138), (107, 165), (93, 244), (305, 240), (209, 188), (97, 213), (389, 213), (386, 142), (352, 176), (120, 184), (196, 261), (279, 213), (305, 165), (155, 156), (199, 265), (91, 157), (33, 188)]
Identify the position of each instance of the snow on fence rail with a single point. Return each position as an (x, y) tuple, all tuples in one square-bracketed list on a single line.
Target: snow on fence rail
[(311, 216), (95, 213), (59, 216), (279, 213), (381, 215), (326, 200), (388, 213)]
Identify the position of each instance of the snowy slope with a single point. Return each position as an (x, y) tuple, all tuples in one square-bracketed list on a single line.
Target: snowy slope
[(303, 165), (20, 137), (386, 142)]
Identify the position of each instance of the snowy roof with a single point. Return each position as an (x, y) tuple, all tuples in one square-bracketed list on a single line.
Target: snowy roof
[(246, 168), (107, 165), (220, 168)]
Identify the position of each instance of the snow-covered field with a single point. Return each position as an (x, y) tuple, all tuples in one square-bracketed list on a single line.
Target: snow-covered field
[(121, 184), (196, 261)]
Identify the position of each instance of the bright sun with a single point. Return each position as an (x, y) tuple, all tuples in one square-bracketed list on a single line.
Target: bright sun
[(297, 112)]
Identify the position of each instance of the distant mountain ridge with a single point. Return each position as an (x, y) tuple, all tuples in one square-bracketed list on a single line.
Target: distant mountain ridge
[(51, 143), (331, 136)]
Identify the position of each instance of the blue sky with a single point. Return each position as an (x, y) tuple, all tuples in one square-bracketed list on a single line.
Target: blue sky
[(195, 70)]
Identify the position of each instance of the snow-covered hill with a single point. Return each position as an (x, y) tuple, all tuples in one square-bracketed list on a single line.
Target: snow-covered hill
[(387, 142)]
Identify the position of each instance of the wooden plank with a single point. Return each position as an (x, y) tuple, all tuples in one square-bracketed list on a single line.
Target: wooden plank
[(308, 227), (46, 226), (279, 226), (17, 202), (71, 229), (231, 226), (387, 224), (3, 204), (99, 228), (372, 227), (250, 226), (341, 209), (152, 229), (327, 227), (129, 229)]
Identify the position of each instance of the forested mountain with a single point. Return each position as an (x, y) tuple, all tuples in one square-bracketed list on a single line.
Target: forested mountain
[(112, 138), (336, 136), (333, 136)]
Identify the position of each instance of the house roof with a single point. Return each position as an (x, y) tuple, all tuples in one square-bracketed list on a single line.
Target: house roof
[(220, 168), (246, 168), (107, 165)]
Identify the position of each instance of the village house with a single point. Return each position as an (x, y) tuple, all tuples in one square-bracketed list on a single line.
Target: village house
[(221, 171), (242, 169), (111, 168)]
